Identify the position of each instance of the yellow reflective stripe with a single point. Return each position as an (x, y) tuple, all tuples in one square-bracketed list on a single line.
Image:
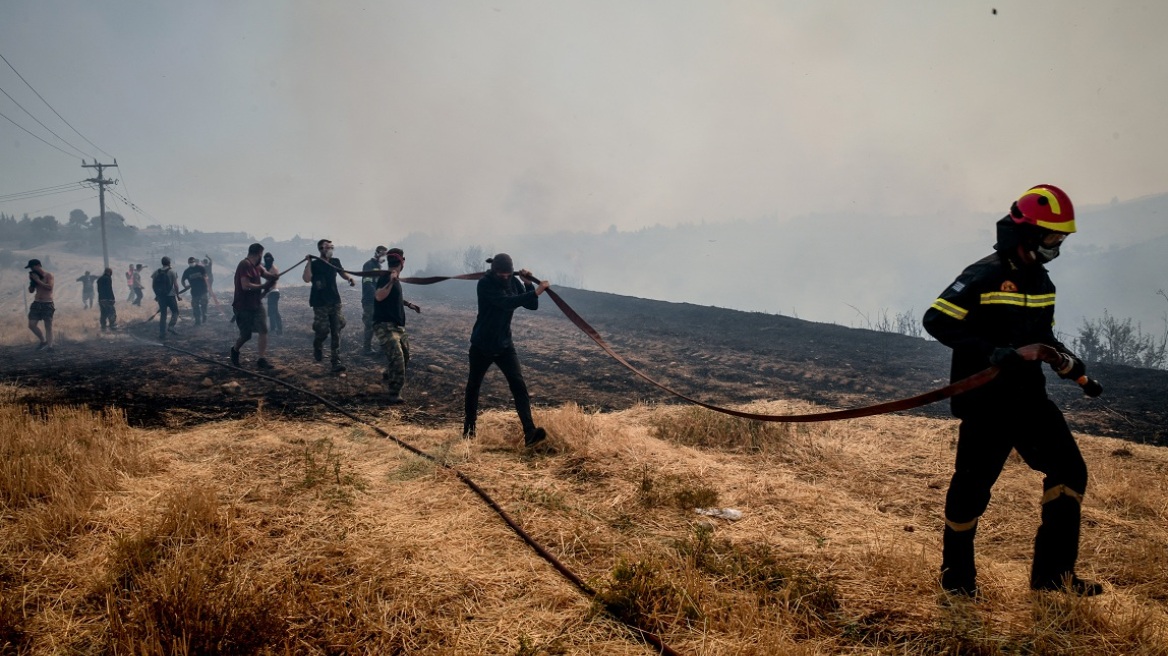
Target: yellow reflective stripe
[(1060, 490), (963, 526), (1014, 298), (947, 308), (1040, 300)]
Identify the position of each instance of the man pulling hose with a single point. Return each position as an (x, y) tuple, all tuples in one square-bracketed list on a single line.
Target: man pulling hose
[(1000, 303)]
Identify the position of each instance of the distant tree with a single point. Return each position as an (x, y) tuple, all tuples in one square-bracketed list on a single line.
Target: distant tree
[(474, 259), (78, 218)]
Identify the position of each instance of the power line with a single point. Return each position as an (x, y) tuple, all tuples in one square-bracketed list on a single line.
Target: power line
[(38, 95), (79, 151), (42, 194), (37, 191), (71, 202), (35, 136), (134, 207)]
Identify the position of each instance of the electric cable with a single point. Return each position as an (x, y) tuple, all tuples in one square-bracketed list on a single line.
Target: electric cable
[(38, 95), (71, 155), (63, 140)]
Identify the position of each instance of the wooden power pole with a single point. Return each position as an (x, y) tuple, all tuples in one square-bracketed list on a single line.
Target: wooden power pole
[(101, 183)]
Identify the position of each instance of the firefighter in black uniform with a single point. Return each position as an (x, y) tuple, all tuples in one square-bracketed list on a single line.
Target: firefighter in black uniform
[(996, 305)]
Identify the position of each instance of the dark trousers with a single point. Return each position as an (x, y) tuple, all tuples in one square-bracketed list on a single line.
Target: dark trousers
[(1041, 436), (166, 303), (275, 321), (508, 363), (109, 316)]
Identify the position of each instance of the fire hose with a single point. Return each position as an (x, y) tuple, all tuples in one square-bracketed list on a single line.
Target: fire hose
[(1032, 352)]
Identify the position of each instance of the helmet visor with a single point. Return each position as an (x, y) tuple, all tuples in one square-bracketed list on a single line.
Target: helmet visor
[(1053, 239)]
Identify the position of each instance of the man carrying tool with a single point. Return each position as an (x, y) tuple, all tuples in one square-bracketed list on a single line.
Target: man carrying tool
[(249, 306), (389, 324), (500, 293), (369, 286), (325, 300), (996, 305)]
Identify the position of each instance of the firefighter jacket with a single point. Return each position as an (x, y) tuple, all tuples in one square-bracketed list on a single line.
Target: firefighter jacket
[(996, 302)]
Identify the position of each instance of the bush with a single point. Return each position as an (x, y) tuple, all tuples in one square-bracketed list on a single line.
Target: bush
[(1111, 341)]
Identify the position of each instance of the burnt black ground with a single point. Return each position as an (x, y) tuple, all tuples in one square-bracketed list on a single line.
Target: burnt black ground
[(717, 355)]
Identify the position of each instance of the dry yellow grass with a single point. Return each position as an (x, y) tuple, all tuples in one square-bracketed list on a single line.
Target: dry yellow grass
[(259, 536)]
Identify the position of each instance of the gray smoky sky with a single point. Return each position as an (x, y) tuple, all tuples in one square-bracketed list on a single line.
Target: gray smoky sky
[(473, 120)]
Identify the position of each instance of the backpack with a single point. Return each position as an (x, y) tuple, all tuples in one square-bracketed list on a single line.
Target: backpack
[(160, 281)]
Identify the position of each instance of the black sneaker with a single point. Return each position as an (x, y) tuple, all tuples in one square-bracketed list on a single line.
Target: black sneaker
[(395, 399), (263, 363), (171, 331), (42, 345), (234, 356), (534, 436), (338, 367), (317, 353)]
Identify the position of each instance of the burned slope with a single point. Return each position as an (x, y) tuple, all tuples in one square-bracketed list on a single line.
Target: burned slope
[(717, 355)]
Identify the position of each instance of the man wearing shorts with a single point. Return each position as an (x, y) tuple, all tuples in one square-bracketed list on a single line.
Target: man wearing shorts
[(249, 306), (40, 283)]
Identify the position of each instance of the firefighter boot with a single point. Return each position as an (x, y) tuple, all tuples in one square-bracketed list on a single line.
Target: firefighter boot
[(958, 573), (1056, 546)]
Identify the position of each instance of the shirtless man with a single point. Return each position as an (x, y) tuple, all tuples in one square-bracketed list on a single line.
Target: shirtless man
[(40, 283)]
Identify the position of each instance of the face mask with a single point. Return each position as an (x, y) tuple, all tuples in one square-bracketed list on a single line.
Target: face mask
[(1044, 254)]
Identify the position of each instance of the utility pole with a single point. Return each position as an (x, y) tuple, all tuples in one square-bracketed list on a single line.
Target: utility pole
[(101, 183)]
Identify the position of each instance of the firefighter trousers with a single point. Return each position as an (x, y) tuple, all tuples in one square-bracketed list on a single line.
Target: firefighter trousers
[(1040, 435)]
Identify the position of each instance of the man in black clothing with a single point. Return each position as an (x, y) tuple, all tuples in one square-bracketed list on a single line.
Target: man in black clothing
[(368, 290), (500, 293), (195, 278), (164, 282), (105, 300), (87, 281), (996, 305), (389, 325), (325, 299)]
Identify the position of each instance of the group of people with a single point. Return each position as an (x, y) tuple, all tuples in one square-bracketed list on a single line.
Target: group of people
[(997, 305), (500, 293)]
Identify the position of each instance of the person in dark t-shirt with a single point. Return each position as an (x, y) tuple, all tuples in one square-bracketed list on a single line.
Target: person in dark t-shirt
[(389, 325), (328, 317)]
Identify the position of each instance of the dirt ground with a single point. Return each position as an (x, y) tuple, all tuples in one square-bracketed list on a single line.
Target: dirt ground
[(721, 356)]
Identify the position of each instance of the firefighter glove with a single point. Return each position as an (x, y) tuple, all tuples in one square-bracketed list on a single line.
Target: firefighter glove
[(1070, 367), (1006, 357)]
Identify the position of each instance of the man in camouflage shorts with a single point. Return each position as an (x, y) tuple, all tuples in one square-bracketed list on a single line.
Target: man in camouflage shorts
[(389, 324)]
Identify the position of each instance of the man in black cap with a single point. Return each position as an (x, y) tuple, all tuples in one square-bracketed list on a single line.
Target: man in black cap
[(500, 293), (40, 283)]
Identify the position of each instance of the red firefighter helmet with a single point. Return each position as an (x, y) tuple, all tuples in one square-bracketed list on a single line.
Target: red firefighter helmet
[(1045, 206)]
